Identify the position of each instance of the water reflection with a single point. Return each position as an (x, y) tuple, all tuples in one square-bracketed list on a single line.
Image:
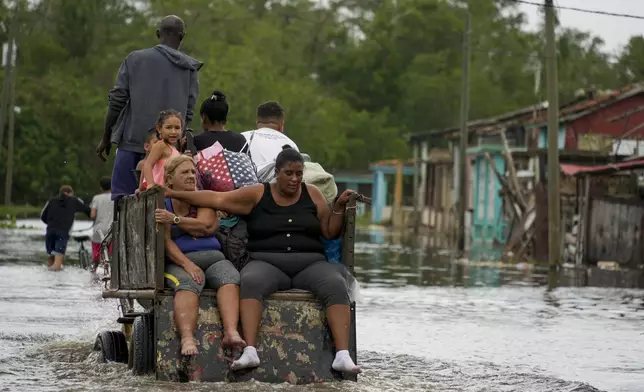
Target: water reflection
[(401, 260)]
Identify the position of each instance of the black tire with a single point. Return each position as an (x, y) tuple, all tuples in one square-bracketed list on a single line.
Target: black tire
[(84, 258), (143, 358), (112, 346), (130, 355)]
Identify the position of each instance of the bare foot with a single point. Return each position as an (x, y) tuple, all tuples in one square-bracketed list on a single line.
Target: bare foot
[(189, 346), (232, 340)]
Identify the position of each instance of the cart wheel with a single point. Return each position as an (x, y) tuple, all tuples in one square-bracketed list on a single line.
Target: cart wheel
[(143, 345), (81, 259), (112, 346)]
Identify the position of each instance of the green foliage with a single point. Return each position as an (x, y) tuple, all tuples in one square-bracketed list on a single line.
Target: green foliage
[(354, 76), (10, 214)]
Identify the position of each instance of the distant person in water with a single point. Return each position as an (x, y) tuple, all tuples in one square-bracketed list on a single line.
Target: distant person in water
[(58, 214), (102, 211), (148, 81), (214, 114)]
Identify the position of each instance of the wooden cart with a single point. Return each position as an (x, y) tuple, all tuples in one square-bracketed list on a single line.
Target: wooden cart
[(294, 341)]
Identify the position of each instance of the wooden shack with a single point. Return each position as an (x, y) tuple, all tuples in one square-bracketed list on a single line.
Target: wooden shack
[(611, 213)]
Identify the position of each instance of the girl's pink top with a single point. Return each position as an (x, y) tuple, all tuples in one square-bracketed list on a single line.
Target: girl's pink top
[(158, 170)]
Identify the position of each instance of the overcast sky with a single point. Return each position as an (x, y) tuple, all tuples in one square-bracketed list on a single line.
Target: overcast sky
[(615, 31)]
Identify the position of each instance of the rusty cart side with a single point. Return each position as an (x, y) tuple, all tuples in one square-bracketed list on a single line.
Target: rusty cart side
[(294, 341)]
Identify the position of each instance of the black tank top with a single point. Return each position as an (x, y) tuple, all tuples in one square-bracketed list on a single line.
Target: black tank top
[(295, 228)]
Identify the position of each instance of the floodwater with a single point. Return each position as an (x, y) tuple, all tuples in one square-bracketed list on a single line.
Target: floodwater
[(423, 325)]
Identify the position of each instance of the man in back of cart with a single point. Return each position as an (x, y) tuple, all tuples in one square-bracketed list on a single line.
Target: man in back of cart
[(148, 81)]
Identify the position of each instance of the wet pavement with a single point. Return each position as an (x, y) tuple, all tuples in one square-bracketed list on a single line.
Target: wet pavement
[(425, 323)]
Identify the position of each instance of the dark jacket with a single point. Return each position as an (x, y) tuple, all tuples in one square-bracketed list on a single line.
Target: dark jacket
[(58, 213), (149, 81)]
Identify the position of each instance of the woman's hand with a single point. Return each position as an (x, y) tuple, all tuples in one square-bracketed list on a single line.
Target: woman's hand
[(195, 272), (342, 201), (163, 216), (167, 192)]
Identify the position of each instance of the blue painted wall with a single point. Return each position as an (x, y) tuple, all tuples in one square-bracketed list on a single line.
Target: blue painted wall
[(543, 137), (379, 200), (487, 223), (380, 183)]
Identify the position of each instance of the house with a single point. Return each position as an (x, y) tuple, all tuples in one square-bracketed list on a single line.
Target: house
[(391, 203), (611, 122), (596, 128), (609, 215), (487, 141)]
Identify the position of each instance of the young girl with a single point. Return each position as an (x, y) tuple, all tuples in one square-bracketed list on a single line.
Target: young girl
[(169, 127), (150, 140)]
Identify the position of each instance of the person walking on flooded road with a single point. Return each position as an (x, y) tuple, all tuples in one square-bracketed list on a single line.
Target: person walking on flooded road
[(58, 214), (102, 211), (148, 81)]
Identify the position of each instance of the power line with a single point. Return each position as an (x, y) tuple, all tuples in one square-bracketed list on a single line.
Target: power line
[(596, 12)]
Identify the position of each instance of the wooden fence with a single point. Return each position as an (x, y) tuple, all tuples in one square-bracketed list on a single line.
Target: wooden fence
[(614, 231), (442, 223)]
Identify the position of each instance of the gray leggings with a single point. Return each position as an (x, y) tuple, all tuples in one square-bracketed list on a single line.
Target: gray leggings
[(267, 273), (217, 269)]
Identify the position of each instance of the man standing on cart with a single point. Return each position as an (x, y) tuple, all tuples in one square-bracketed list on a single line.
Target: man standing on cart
[(148, 81)]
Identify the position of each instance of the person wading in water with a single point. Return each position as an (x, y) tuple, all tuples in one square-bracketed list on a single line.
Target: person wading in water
[(148, 81)]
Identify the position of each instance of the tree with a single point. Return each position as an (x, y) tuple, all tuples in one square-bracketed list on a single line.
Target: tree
[(631, 61), (355, 76)]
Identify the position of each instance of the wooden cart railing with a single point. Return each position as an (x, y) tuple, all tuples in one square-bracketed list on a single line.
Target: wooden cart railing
[(138, 243)]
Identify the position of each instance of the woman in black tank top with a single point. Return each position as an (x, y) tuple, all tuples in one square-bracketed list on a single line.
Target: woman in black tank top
[(286, 221)]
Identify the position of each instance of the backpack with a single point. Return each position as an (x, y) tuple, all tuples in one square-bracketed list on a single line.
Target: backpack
[(233, 242)]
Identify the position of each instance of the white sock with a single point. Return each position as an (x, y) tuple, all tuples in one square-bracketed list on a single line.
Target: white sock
[(248, 359), (343, 363)]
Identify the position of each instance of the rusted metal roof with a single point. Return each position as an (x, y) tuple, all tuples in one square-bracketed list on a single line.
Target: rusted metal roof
[(591, 105), (486, 124), (538, 114), (573, 170)]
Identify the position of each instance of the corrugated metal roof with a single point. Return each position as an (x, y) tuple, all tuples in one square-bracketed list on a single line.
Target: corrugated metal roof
[(485, 124), (567, 112), (589, 106), (573, 170)]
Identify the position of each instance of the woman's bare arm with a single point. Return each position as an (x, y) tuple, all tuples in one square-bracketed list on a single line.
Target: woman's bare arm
[(238, 202), (157, 152), (331, 223), (205, 224)]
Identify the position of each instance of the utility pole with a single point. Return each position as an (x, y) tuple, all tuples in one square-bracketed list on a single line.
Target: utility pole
[(7, 72), (462, 150), (554, 219), (8, 181)]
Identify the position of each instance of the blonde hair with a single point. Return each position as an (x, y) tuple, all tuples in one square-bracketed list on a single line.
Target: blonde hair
[(173, 163)]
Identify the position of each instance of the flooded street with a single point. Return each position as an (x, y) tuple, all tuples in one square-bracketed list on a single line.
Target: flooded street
[(423, 325)]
